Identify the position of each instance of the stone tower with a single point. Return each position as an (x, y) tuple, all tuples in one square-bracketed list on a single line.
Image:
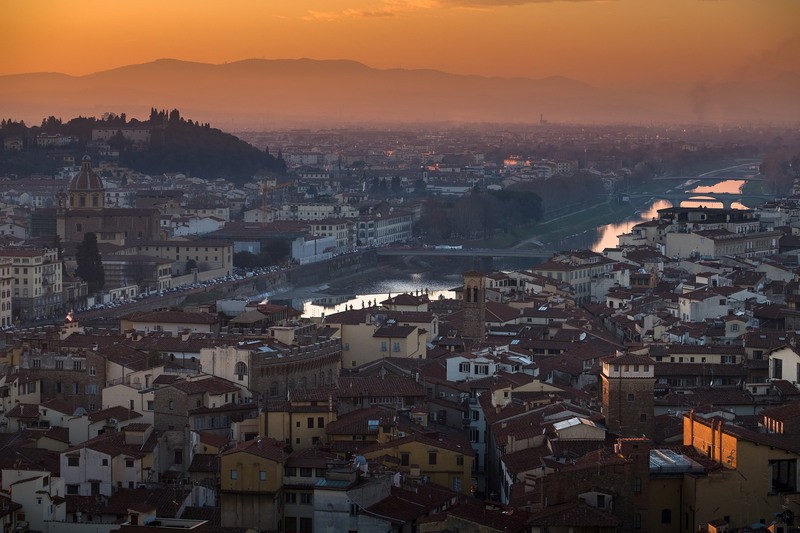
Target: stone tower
[(474, 306), (627, 383)]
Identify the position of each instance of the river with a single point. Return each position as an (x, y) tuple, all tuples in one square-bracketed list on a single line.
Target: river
[(373, 287), (598, 239)]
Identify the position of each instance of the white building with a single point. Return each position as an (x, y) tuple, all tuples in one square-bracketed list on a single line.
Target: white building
[(39, 493)]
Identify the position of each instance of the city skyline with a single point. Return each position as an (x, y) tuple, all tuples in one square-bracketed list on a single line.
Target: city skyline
[(605, 43)]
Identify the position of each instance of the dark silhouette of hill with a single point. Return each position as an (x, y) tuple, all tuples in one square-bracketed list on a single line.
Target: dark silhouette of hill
[(305, 92), (176, 145)]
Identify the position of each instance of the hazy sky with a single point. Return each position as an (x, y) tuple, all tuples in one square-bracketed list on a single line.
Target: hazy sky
[(609, 43)]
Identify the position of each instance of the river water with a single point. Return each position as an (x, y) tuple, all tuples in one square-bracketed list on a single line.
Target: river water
[(598, 239), (373, 288)]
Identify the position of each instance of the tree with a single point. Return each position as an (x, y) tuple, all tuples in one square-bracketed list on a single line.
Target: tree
[(90, 265), (190, 264)]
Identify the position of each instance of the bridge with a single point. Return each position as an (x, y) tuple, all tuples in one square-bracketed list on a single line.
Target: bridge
[(744, 177), (725, 198), (467, 252)]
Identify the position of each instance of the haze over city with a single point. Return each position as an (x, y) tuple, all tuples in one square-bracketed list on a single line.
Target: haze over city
[(582, 61)]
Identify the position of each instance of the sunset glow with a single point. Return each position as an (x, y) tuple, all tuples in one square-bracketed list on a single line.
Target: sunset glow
[(600, 42)]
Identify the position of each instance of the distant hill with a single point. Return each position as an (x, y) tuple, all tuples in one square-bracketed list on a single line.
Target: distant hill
[(303, 92), (175, 145)]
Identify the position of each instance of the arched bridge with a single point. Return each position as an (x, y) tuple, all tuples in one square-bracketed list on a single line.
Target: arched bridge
[(725, 198), (466, 252)]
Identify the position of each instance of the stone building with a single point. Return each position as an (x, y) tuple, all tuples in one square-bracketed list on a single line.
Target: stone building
[(82, 209), (627, 384)]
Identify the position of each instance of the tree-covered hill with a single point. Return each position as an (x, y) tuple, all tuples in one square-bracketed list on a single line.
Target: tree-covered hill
[(176, 145)]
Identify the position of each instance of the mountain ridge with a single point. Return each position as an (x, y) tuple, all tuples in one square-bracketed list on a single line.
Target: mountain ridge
[(289, 92)]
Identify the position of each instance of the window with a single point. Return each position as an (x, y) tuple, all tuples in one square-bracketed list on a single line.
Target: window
[(432, 458), (482, 370), (306, 472), (405, 459), (177, 457), (171, 405), (72, 489), (92, 371), (320, 421), (464, 367), (396, 347), (784, 475), (459, 460), (354, 509), (37, 363), (643, 417), (77, 365), (151, 405), (105, 462), (306, 524), (128, 463), (631, 397), (637, 485), (73, 461), (637, 521), (383, 346), (310, 422), (59, 364), (291, 497), (306, 498), (234, 474), (456, 483), (666, 516), (262, 475), (290, 471), (777, 369), (474, 436)]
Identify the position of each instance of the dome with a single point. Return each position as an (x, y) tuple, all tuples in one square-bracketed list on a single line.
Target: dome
[(86, 179)]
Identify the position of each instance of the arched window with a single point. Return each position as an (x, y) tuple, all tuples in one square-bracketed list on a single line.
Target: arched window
[(95, 201), (82, 201), (273, 389), (240, 369)]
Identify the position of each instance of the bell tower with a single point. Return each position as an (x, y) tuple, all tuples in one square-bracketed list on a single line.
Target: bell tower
[(474, 306)]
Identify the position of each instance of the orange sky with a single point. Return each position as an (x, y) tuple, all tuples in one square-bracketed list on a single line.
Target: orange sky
[(609, 43)]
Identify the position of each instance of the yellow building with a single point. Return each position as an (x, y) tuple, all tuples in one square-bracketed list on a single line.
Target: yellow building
[(368, 335), (299, 422), (445, 459), (251, 482), (5, 292), (757, 478), (35, 281)]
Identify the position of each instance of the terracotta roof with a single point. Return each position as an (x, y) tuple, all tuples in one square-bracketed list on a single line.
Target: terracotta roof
[(172, 317), (405, 505), (574, 514), (266, 448), (496, 517), (387, 386), (210, 385), (204, 462), (118, 412)]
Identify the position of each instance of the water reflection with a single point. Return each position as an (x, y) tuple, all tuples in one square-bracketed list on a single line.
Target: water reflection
[(324, 301), (607, 235)]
